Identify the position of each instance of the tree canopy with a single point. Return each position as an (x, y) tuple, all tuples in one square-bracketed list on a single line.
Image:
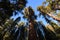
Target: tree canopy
[(11, 29)]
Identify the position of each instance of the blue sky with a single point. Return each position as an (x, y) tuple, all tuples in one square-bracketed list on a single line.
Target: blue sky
[(34, 4)]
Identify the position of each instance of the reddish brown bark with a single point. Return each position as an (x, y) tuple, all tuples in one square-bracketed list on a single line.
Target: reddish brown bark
[(32, 32)]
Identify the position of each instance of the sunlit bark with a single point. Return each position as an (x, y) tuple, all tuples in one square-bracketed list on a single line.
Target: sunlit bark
[(54, 17)]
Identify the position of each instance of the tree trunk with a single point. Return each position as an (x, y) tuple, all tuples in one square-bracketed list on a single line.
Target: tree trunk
[(32, 32)]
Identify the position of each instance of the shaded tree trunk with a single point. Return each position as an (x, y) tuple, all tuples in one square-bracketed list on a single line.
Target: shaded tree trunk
[(32, 32)]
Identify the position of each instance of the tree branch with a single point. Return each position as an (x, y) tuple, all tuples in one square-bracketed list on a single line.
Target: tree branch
[(54, 17)]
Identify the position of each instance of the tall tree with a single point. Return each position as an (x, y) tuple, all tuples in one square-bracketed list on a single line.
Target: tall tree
[(11, 29), (7, 7), (51, 10)]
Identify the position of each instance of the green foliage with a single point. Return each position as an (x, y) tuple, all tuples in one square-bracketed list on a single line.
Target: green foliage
[(11, 29)]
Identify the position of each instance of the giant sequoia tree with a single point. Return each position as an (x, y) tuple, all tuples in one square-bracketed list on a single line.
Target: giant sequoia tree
[(11, 29)]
